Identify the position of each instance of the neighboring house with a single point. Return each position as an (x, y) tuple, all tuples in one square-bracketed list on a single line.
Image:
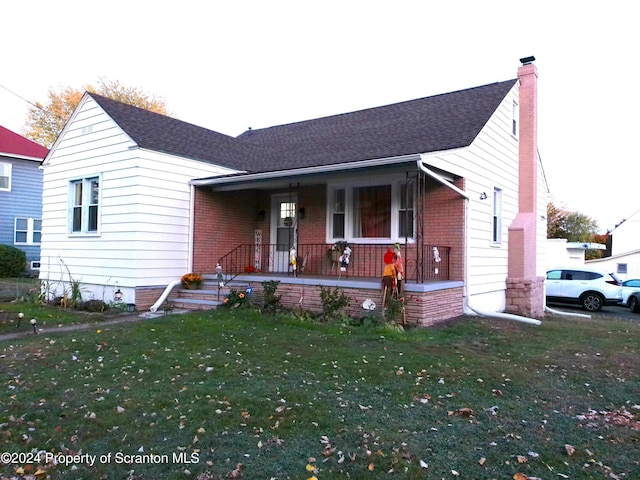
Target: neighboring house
[(21, 194), (625, 250), (136, 199), (626, 236)]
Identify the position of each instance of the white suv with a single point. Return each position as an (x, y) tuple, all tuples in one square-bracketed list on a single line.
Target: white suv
[(582, 286)]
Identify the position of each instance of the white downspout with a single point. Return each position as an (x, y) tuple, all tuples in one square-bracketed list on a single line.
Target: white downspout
[(506, 316), (165, 294)]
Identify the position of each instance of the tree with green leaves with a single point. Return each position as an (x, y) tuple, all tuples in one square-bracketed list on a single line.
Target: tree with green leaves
[(45, 122), (574, 226)]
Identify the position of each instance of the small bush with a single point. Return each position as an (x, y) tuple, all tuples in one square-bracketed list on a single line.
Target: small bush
[(93, 306), (334, 301), (271, 300), (13, 261)]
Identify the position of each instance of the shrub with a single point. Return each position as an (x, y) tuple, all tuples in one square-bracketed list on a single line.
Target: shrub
[(93, 306), (13, 261), (333, 302), (271, 301)]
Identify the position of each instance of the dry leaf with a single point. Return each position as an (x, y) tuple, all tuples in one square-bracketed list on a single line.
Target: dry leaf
[(569, 449), (520, 476), (371, 467), (521, 459), (482, 460), (423, 464)]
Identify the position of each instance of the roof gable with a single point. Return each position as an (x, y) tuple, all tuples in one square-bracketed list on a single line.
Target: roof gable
[(13, 144)]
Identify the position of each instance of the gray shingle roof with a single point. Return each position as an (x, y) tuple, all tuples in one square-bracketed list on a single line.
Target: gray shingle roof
[(165, 134), (430, 124)]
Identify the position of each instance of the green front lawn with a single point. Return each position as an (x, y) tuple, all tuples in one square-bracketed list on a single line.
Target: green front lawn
[(237, 394)]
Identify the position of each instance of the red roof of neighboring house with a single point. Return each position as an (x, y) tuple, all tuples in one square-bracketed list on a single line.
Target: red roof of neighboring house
[(12, 143)]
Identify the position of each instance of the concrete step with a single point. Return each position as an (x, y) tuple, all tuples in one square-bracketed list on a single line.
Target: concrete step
[(195, 303)]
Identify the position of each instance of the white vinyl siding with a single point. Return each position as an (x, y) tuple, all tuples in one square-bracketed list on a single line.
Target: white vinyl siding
[(143, 210)]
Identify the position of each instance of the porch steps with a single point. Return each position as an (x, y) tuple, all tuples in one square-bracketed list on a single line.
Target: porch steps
[(207, 297)]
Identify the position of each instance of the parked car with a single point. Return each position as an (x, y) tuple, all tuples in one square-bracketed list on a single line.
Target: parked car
[(628, 287), (633, 302), (586, 287)]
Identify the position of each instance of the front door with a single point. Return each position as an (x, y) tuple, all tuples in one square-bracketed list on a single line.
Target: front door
[(283, 231)]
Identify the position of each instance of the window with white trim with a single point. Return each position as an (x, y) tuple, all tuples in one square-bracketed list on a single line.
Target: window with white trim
[(496, 218), (84, 207), (5, 177), (27, 231), (515, 114), (373, 211)]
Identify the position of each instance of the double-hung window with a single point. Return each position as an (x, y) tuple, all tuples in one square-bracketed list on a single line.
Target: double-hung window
[(27, 231), (496, 219), (5, 177), (375, 211), (85, 205)]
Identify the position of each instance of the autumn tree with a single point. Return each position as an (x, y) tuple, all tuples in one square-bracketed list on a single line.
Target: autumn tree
[(45, 122), (574, 226)]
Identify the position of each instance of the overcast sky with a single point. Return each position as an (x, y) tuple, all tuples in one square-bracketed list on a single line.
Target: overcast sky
[(229, 65)]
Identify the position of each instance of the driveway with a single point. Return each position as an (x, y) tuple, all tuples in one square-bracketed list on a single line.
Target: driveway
[(611, 312)]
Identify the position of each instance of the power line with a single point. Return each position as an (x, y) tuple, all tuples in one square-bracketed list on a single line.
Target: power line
[(23, 99)]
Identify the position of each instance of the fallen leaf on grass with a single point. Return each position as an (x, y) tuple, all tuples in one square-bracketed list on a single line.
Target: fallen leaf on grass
[(569, 449), (464, 412), (482, 460), (521, 459)]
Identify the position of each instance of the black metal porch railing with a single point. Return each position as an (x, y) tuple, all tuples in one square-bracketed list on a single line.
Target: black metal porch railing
[(421, 262)]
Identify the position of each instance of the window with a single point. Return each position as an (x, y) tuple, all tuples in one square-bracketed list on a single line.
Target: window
[(27, 231), (496, 220), (5, 176), (515, 113), (373, 211), (85, 203), (338, 217), (621, 268), (405, 225)]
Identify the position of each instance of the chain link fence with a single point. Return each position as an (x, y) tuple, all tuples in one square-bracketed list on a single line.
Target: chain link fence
[(17, 288)]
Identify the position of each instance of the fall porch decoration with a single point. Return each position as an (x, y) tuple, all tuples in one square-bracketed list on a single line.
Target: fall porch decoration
[(191, 281)]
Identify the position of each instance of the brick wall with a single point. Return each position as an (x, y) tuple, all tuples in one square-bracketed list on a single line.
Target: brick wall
[(444, 223), (421, 309)]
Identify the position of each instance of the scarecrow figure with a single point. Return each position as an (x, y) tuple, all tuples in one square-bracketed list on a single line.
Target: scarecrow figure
[(293, 260), (344, 259), (397, 262), (389, 276)]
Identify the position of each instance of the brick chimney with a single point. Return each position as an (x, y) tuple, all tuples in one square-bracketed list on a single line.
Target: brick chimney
[(525, 290)]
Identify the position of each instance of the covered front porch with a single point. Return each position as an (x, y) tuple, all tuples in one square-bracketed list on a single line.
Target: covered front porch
[(290, 229)]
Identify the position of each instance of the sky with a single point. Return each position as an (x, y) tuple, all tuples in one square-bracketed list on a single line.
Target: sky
[(230, 65)]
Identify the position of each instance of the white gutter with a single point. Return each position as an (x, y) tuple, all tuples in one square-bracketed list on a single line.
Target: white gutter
[(338, 167), (506, 316), (438, 178), (566, 314), (165, 294)]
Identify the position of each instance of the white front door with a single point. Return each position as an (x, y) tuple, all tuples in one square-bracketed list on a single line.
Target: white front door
[(284, 227)]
